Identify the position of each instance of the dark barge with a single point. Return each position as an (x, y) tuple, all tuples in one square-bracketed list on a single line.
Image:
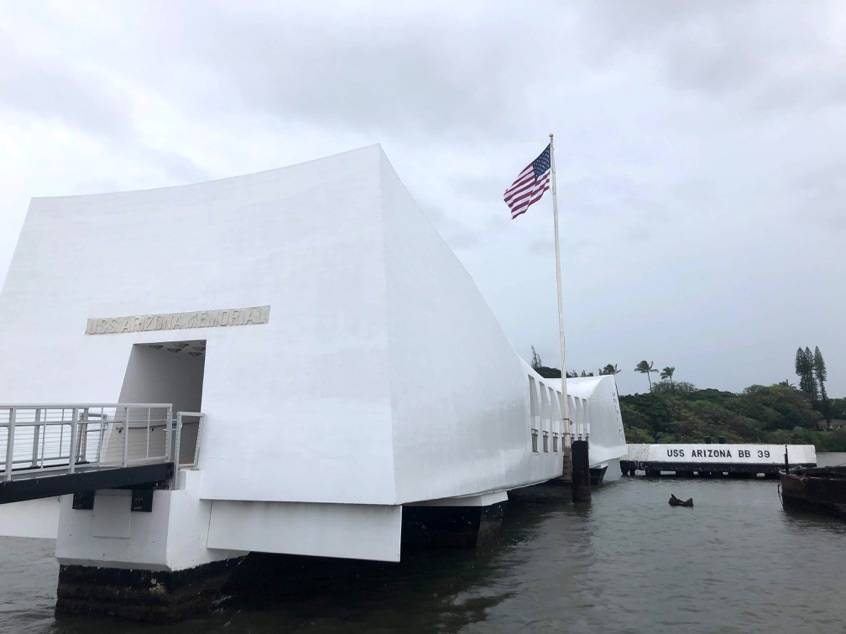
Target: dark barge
[(819, 489)]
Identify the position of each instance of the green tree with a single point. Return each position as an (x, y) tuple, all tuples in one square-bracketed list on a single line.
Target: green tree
[(821, 375), (610, 368), (775, 414), (536, 360), (777, 406), (667, 374), (678, 388), (646, 368), (805, 371)]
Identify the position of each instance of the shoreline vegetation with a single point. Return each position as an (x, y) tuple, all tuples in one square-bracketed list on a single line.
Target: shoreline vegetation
[(776, 414), (678, 411)]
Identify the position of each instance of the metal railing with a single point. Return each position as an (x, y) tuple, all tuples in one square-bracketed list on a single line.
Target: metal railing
[(186, 443), (76, 437)]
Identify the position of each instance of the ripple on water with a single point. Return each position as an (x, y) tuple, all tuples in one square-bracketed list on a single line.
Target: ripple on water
[(626, 563)]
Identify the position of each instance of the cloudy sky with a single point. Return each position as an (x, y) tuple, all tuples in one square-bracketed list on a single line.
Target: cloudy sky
[(700, 148)]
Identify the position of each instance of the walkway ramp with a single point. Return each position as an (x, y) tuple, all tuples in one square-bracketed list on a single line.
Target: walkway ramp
[(51, 450)]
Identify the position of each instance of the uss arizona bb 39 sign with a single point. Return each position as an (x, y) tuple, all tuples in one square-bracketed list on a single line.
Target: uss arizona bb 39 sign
[(722, 453)]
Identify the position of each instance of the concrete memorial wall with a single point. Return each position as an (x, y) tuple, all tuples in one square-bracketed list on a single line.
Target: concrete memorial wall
[(349, 361)]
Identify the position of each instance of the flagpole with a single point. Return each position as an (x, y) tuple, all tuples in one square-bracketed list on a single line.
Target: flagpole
[(565, 408)]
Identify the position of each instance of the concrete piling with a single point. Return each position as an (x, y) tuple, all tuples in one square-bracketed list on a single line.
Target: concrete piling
[(581, 471)]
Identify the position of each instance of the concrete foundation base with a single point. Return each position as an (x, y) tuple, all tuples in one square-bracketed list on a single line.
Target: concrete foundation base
[(597, 475), (142, 595), (450, 526)]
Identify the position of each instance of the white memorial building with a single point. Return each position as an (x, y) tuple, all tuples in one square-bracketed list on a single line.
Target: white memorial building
[(344, 362)]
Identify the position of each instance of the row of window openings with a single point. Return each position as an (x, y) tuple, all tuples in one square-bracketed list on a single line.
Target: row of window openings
[(548, 400), (545, 442)]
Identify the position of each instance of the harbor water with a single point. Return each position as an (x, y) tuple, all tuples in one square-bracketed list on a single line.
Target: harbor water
[(628, 562)]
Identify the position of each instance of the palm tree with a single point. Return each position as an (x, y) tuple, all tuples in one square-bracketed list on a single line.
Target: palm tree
[(646, 368), (610, 368), (667, 374)]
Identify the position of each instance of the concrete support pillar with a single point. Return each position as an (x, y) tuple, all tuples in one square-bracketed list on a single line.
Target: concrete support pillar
[(581, 471), (470, 522), (140, 562)]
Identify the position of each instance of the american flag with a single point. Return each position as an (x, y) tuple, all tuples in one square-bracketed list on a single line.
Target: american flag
[(530, 185)]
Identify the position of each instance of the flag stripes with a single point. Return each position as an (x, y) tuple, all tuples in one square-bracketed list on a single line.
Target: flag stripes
[(530, 184)]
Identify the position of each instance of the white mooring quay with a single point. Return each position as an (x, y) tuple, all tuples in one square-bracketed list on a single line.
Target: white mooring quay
[(349, 374), (707, 460)]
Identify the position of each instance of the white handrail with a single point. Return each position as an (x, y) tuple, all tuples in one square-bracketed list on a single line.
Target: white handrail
[(102, 435), (80, 405)]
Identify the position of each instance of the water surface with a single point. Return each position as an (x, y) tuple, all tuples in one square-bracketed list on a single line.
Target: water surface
[(628, 562)]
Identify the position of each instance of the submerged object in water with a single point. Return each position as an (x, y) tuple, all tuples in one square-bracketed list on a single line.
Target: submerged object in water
[(674, 501)]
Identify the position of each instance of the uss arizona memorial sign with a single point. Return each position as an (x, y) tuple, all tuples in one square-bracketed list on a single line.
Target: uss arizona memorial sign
[(178, 321)]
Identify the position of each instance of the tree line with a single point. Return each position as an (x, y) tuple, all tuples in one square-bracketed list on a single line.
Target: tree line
[(678, 411), (555, 373), (644, 367)]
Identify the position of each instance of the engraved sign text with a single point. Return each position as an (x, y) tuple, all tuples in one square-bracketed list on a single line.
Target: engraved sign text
[(178, 321)]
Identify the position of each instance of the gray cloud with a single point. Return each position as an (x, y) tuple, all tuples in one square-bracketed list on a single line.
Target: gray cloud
[(82, 100), (822, 198), (176, 165), (764, 55), (44, 88), (382, 70)]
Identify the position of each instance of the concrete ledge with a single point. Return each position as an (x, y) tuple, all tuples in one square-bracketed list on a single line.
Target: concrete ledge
[(483, 499), (556, 489), (356, 531)]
